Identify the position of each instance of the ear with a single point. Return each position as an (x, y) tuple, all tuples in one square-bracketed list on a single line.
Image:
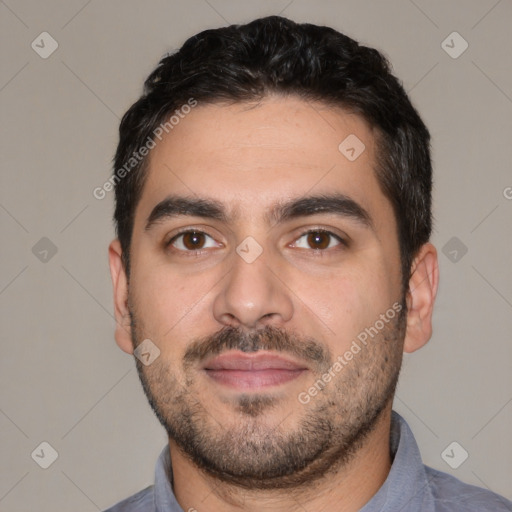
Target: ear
[(420, 298), (120, 286)]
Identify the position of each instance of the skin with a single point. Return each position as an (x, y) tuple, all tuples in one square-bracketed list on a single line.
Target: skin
[(250, 157)]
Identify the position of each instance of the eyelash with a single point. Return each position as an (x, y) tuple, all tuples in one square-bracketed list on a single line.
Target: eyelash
[(317, 252)]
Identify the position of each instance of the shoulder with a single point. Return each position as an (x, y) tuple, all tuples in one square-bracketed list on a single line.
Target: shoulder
[(450, 494), (140, 502)]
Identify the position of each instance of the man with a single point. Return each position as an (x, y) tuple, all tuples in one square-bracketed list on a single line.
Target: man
[(273, 213)]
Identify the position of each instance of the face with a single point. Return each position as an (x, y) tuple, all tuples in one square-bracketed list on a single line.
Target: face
[(265, 268)]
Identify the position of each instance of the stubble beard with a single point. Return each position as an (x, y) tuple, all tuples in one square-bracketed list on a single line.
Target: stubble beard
[(251, 454)]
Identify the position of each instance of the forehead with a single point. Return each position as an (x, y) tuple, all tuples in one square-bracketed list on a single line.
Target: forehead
[(252, 156)]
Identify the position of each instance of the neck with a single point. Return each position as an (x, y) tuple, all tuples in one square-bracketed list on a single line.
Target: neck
[(346, 490)]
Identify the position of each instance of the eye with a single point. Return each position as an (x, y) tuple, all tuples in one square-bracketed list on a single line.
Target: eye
[(192, 241), (318, 239)]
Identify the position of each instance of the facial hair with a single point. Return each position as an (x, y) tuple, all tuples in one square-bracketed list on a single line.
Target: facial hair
[(250, 453)]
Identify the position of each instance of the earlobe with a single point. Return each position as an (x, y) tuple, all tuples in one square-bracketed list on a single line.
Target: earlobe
[(120, 289), (420, 298)]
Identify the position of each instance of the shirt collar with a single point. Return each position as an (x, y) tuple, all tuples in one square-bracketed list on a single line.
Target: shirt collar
[(406, 485), (165, 501)]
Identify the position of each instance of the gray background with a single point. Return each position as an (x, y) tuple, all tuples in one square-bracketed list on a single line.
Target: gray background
[(62, 378)]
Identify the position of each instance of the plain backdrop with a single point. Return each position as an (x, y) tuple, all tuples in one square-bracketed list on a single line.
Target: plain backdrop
[(63, 380)]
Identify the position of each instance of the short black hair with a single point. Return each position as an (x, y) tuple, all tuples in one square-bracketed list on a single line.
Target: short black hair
[(275, 55)]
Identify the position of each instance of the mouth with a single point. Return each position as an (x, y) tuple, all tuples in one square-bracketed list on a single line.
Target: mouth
[(252, 371)]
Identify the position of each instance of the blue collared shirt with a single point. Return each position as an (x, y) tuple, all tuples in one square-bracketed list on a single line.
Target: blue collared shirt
[(410, 486)]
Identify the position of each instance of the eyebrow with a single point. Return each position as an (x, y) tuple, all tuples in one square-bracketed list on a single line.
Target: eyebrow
[(336, 204)]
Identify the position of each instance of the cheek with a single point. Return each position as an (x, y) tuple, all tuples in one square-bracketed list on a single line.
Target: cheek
[(168, 304), (331, 304), (347, 304)]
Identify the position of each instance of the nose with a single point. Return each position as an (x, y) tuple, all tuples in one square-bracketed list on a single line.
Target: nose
[(252, 295)]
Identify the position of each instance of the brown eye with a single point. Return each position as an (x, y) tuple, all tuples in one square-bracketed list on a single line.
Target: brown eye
[(318, 240), (191, 241)]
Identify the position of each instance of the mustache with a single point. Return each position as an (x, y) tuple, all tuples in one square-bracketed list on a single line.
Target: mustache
[(268, 338)]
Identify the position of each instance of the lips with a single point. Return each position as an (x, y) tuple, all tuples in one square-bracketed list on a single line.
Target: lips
[(251, 362), (245, 371)]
